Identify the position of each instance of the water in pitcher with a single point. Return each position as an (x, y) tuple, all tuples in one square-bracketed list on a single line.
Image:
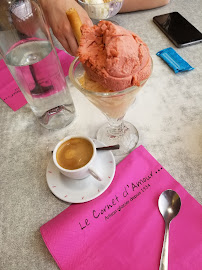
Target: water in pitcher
[(35, 68)]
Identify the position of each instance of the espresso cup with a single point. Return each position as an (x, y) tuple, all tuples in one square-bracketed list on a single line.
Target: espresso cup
[(75, 157)]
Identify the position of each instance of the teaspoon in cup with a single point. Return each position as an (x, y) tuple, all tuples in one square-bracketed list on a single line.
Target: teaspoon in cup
[(169, 204), (111, 147)]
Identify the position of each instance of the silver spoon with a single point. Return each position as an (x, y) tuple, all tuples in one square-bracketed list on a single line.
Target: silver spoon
[(169, 204)]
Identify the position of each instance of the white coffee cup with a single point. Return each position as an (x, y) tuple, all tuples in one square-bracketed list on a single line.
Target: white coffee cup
[(86, 170)]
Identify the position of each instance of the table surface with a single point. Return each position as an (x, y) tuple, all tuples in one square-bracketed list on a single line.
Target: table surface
[(167, 113)]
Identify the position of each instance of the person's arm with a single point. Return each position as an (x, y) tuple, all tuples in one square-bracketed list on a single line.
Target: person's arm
[(55, 13), (134, 5)]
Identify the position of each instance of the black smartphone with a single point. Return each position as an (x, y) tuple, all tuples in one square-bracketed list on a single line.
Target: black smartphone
[(181, 32)]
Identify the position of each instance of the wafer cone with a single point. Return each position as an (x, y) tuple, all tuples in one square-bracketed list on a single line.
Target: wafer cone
[(75, 22)]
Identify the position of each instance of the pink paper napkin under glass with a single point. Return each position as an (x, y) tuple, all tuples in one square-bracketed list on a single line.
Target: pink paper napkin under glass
[(11, 94), (123, 229)]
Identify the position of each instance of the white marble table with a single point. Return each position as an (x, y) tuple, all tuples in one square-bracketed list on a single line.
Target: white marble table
[(167, 113)]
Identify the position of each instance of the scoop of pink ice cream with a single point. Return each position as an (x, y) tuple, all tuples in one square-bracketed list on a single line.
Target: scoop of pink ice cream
[(113, 56)]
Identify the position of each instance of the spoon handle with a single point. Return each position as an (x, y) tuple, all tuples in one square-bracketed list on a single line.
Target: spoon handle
[(111, 147), (164, 253)]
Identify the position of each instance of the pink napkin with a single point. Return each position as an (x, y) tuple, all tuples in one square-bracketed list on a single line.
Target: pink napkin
[(9, 90), (123, 229)]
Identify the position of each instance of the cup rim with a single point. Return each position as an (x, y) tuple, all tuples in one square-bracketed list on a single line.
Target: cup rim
[(66, 139), (74, 65)]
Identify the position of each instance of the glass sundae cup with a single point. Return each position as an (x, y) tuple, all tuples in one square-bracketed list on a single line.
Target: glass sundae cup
[(113, 105), (101, 9)]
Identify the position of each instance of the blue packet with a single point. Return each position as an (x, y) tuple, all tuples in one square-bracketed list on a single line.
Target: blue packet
[(174, 60)]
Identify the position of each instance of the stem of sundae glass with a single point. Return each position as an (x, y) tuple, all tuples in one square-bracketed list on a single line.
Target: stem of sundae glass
[(116, 126), (118, 131)]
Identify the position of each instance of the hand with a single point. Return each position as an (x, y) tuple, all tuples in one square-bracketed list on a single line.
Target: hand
[(55, 13)]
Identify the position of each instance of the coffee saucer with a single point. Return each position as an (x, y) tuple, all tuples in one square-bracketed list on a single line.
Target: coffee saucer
[(80, 191)]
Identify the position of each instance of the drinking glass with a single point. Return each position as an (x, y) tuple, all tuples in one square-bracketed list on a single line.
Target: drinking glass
[(114, 106), (28, 51)]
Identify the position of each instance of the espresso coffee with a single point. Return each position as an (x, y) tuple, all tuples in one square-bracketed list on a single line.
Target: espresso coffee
[(74, 153)]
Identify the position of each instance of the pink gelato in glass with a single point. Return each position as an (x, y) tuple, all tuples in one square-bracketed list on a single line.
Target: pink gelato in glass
[(113, 56)]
